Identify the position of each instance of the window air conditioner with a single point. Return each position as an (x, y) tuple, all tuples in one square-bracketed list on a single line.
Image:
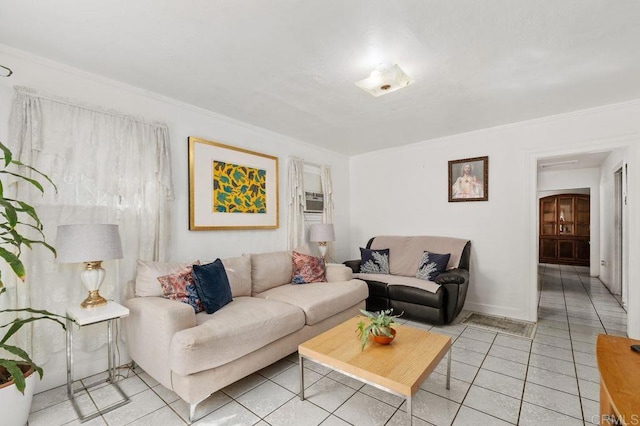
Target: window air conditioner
[(313, 202)]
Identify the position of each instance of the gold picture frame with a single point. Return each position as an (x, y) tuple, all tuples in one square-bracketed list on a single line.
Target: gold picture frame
[(469, 179), (231, 188)]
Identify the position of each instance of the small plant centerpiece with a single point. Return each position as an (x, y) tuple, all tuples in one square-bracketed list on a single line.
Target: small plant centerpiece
[(379, 327), (17, 219)]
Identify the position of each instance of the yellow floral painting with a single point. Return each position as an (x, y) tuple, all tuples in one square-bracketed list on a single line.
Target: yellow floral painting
[(238, 188)]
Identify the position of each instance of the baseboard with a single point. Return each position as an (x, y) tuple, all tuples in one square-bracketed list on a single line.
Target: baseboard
[(499, 311)]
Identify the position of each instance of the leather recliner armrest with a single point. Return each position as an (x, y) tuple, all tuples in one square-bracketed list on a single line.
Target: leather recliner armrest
[(453, 276), (353, 264)]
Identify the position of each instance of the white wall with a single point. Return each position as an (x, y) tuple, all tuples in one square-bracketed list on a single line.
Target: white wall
[(404, 191), (183, 121), (579, 178)]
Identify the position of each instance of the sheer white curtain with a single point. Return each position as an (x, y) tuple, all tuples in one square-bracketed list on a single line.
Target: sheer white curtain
[(109, 168), (327, 211), (295, 213)]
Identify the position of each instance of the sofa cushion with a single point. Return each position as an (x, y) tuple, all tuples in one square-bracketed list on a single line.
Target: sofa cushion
[(400, 280), (405, 252), (270, 270), (239, 273), (431, 265), (147, 274), (374, 261), (319, 300), (241, 327), (307, 269), (181, 287), (212, 285)]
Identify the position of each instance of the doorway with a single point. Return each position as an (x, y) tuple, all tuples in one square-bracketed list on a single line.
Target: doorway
[(617, 288)]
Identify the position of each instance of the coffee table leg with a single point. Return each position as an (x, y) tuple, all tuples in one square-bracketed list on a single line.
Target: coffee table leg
[(301, 364), (449, 369), (410, 410)]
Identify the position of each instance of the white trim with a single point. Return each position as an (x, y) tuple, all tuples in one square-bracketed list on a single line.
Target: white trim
[(495, 310)]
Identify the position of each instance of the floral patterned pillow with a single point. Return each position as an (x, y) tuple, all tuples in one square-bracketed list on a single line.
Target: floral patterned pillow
[(307, 269), (431, 265), (180, 286)]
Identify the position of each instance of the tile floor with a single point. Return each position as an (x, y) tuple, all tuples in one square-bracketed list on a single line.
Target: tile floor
[(496, 379)]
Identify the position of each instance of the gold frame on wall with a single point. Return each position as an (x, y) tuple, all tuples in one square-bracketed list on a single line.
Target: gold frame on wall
[(473, 186), (202, 216)]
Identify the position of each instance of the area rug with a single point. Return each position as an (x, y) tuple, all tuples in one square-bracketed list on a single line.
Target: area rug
[(501, 325)]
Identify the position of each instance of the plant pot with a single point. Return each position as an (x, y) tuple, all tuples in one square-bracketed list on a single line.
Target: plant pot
[(383, 340), (15, 406)]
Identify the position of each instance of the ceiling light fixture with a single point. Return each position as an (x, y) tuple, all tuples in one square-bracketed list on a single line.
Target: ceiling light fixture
[(386, 78), (558, 163)]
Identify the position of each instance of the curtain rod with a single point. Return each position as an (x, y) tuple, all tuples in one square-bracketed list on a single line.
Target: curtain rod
[(66, 101)]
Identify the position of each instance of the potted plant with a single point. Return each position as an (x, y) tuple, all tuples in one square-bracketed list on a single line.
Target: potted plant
[(379, 328), (16, 366)]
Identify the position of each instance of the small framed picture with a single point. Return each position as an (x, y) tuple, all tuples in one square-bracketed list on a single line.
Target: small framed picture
[(469, 179), (231, 188)]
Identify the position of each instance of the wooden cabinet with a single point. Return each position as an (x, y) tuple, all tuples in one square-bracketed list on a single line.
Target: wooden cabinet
[(564, 229)]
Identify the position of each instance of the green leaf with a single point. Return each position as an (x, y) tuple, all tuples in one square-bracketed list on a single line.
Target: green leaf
[(15, 373), (9, 213), (31, 181), (28, 209), (6, 153), (14, 262), (33, 169)]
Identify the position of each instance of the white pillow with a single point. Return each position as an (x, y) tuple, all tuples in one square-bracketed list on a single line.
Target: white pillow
[(147, 283)]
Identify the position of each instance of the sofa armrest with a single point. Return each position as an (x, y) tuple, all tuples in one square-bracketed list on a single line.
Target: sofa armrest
[(150, 327), (338, 272), (453, 276), (353, 264)]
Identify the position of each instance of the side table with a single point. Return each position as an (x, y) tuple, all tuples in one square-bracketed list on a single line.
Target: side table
[(86, 316)]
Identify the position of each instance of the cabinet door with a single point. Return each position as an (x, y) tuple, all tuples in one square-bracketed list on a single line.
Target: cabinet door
[(548, 216), (548, 248), (566, 225), (583, 252), (582, 217), (566, 249)]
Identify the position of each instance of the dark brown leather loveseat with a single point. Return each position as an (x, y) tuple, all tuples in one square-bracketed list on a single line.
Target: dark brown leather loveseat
[(436, 302)]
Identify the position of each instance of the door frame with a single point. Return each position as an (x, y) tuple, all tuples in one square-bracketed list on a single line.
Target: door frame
[(632, 144)]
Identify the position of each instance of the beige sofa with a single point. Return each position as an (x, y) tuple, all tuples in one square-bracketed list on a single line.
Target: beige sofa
[(198, 354)]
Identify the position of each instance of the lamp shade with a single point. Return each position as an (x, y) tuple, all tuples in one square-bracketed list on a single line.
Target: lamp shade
[(321, 232), (88, 243)]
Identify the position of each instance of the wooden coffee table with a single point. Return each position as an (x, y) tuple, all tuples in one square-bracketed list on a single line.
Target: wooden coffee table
[(398, 368)]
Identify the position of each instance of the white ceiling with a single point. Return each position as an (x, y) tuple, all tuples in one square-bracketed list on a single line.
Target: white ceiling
[(290, 65)]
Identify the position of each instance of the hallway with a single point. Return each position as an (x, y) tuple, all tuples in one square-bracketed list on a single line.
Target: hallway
[(573, 309)]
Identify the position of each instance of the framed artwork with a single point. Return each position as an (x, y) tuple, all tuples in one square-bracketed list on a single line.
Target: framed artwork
[(231, 188), (469, 179)]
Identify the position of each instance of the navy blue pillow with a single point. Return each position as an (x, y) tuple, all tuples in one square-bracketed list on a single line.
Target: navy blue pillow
[(212, 285), (431, 265), (374, 261)]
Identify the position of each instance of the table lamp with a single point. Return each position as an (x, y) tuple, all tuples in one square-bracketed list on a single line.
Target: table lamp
[(91, 245), (321, 233)]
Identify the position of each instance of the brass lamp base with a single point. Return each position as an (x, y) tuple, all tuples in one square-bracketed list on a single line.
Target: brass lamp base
[(93, 300)]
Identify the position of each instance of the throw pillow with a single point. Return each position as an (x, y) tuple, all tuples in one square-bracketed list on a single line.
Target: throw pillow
[(181, 287), (307, 269), (431, 265), (212, 285), (148, 273), (374, 261)]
